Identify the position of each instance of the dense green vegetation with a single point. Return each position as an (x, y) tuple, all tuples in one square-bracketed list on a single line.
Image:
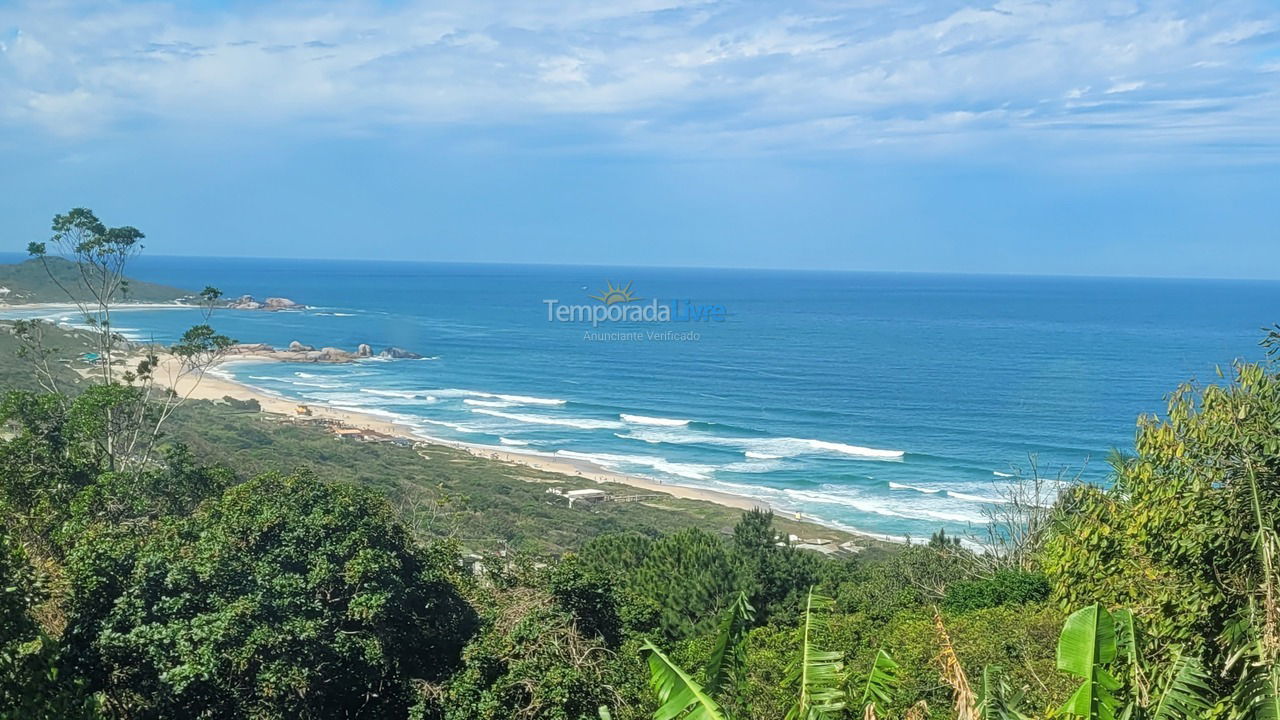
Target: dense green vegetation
[(163, 559), (444, 492), (48, 280)]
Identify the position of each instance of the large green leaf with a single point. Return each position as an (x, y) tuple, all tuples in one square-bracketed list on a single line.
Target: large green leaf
[(882, 681), (1257, 693), (1087, 644), (1185, 692), (816, 674), (727, 665), (679, 695)]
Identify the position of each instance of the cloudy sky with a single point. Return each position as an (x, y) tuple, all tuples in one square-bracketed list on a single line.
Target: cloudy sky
[(1095, 137)]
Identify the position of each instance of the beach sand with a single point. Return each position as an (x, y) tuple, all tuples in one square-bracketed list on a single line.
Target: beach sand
[(212, 386)]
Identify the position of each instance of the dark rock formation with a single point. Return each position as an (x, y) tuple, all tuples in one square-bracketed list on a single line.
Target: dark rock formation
[(399, 354)]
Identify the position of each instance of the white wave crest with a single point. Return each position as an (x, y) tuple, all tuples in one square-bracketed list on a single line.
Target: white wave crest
[(488, 403), (691, 471), (900, 486), (402, 394), (514, 399), (580, 423), (764, 448), (510, 441), (444, 423), (974, 498), (643, 420), (912, 511)]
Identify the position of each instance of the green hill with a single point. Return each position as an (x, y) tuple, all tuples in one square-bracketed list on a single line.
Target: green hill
[(29, 282)]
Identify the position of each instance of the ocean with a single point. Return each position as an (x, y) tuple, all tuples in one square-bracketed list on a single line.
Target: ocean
[(892, 404)]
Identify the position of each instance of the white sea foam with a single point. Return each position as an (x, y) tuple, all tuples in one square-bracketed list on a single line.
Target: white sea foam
[(900, 486), (882, 506), (850, 449), (444, 423), (643, 420), (514, 399), (759, 455), (510, 441), (321, 385), (303, 374), (580, 423), (402, 394), (691, 471), (526, 399), (997, 473), (379, 412), (753, 466), (772, 447), (488, 403), (974, 498)]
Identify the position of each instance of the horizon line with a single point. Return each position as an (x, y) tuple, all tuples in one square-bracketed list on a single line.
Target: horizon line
[(740, 268)]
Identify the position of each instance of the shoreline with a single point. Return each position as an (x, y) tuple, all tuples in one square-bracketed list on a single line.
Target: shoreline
[(215, 385), (22, 307)]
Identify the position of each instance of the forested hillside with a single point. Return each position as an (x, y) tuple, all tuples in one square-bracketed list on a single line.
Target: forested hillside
[(58, 280), (162, 559)]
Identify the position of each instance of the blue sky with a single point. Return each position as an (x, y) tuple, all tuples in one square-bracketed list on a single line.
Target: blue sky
[(1095, 137)]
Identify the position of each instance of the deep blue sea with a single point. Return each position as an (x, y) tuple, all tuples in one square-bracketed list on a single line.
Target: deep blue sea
[(886, 403)]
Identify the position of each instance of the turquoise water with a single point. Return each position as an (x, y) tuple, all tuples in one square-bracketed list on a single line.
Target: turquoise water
[(887, 403)]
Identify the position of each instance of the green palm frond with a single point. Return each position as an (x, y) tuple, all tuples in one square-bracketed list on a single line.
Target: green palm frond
[(816, 674), (1184, 693), (727, 667), (882, 681), (1257, 692), (679, 695)]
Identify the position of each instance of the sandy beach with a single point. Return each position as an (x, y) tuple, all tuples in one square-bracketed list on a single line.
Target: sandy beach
[(67, 306), (215, 386)]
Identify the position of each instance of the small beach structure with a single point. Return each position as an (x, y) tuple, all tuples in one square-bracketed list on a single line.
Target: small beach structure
[(349, 433), (302, 410), (586, 495)]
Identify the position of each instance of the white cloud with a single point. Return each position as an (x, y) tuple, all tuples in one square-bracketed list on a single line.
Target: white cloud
[(676, 74), (1124, 87)]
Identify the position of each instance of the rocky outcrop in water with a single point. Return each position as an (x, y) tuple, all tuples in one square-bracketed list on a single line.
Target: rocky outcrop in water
[(298, 352), (396, 353), (247, 302)]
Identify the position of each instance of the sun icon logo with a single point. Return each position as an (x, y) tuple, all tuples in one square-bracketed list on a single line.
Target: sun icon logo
[(618, 294)]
